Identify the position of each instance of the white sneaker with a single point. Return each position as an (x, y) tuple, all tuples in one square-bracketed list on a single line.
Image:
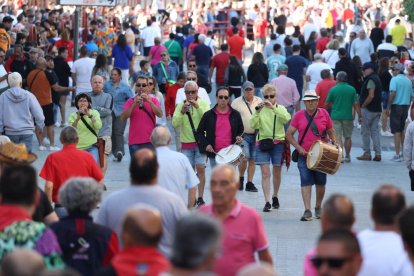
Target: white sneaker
[(51, 148), (386, 133), (42, 148), (396, 158), (57, 124), (63, 124), (46, 141)]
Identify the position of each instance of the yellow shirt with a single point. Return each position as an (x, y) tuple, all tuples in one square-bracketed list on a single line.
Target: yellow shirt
[(398, 35)]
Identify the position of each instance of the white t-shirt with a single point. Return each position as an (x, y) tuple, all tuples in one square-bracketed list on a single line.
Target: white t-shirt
[(314, 72), (202, 94), (210, 43), (331, 57), (383, 254), (83, 69), (3, 72), (149, 34)]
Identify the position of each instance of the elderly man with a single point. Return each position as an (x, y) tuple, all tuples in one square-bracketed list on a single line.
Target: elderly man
[(203, 55), (323, 87), (338, 253), (143, 189), (187, 116), (397, 107), (66, 163), (287, 91), (40, 82), (103, 103), (240, 251), (313, 73), (141, 110), (370, 102), (21, 113), (141, 235), (175, 172), (343, 100), (202, 93), (19, 197), (382, 247), (337, 213), (196, 241), (246, 105), (362, 47)]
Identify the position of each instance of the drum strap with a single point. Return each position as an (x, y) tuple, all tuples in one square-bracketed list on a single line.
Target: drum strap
[(310, 120), (313, 126)]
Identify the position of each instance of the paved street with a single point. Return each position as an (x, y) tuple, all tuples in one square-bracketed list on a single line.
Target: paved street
[(290, 238)]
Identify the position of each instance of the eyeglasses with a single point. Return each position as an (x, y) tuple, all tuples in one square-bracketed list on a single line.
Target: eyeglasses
[(248, 89), (221, 97), (141, 85), (191, 79), (268, 96), (332, 262), (191, 92)]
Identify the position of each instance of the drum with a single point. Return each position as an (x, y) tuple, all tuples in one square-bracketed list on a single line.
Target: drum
[(231, 155), (324, 157)]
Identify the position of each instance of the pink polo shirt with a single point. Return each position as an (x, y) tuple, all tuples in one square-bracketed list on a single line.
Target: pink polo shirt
[(287, 91), (243, 235), (141, 125), (223, 130)]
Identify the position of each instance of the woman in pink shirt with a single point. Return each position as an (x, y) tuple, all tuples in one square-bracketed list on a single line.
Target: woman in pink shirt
[(156, 51)]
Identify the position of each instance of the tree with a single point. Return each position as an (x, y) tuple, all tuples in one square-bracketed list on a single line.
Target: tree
[(409, 9)]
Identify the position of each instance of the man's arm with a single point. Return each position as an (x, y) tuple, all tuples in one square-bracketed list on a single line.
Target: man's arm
[(408, 147), (157, 110), (191, 197), (265, 256), (51, 218), (370, 97), (358, 111), (127, 113), (390, 101), (49, 190), (57, 88)]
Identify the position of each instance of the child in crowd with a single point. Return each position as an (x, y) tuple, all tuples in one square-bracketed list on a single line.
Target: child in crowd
[(144, 72)]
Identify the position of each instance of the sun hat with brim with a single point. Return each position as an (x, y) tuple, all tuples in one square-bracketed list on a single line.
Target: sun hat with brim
[(16, 153), (310, 95)]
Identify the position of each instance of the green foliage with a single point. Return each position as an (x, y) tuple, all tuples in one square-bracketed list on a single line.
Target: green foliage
[(409, 9)]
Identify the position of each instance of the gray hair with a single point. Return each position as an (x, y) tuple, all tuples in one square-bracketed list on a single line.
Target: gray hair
[(190, 83), (325, 73), (235, 173), (69, 135), (201, 38), (342, 76), (80, 194), (196, 237), (160, 136), (14, 79)]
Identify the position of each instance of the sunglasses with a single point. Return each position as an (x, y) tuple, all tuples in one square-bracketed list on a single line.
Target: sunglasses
[(190, 92), (331, 262), (268, 96), (192, 65), (248, 89), (191, 79), (150, 83), (141, 85), (221, 97)]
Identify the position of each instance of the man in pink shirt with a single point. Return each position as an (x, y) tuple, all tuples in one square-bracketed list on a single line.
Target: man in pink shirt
[(141, 110), (287, 91), (323, 87), (243, 228)]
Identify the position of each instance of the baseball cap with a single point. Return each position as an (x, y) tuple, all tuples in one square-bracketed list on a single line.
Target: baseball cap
[(368, 65), (248, 84), (399, 67)]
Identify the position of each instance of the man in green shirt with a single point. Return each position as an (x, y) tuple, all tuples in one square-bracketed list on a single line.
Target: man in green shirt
[(341, 99), (174, 50)]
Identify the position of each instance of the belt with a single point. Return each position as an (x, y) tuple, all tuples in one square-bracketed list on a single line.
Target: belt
[(250, 134)]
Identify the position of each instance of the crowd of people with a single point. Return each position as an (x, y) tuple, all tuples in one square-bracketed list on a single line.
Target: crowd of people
[(350, 65)]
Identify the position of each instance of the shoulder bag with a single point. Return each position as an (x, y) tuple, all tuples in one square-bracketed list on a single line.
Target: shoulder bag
[(267, 144), (100, 143), (295, 153)]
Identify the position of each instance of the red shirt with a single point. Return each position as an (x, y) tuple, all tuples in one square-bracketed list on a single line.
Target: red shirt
[(260, 28), (220, 62), (321, 44), (140, 260), (170, 99), (69, 162), (322, 89), (243, 235), (229, 32), (67, 44), (236, 44)]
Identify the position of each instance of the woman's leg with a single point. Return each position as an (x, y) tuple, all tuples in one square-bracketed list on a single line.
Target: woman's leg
[(62, 102), (265, 169)]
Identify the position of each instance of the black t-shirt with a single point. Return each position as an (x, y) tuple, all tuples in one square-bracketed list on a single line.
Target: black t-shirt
[(43, 209)]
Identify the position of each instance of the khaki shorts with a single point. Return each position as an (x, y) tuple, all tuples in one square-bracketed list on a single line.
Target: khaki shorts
[(108, 144), (343, 127)]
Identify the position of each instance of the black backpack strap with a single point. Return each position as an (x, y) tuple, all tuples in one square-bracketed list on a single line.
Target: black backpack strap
[(310, 120)]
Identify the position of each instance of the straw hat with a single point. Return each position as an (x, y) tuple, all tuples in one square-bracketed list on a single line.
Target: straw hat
[(16, 153), (310, 95)]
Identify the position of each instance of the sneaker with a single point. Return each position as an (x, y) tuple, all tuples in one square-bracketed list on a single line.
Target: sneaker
[(54, 148), (386, 133), (200, 202), (318, 213), (364, 157), (241, 186), (347, 159), (250, 187), (307, 216), (57, 124), (377, 158), (267, 207), (42, 148), (396, 158), (46, 141), (63, 124), (275, 202), (119, 156)]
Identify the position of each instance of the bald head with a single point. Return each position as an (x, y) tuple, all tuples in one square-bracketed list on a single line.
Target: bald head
[(97, 83), (337, 213), (144, 167), (160, 136), (22, 262), (41, 63), (142, 225)]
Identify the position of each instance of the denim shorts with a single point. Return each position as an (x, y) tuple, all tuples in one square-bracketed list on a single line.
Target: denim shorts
[(194, 156), (249, 146), (275, 155), (309, 177)]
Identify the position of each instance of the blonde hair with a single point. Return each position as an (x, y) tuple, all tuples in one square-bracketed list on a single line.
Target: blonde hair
[(269, 88)]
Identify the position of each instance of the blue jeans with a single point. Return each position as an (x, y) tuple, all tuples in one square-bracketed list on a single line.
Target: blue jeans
[(203, 70), (134, 148), (26, 139), (249, 146), (93, 150)]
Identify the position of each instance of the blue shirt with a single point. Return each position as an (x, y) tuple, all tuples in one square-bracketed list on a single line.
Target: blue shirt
[(171, 70), (92, 47), (121, 56), (402, 87), (119, 94), (296, 65), (202, 54)]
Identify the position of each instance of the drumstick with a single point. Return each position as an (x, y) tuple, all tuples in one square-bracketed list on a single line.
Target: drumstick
[(218, 154), (233, 144)]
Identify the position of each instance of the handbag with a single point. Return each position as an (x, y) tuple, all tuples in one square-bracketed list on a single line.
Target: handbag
[(100, 143), (267, 144), (295, 153)]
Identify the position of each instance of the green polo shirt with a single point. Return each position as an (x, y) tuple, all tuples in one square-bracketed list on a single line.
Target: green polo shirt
[(342, 96)]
